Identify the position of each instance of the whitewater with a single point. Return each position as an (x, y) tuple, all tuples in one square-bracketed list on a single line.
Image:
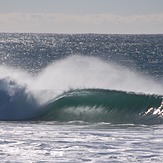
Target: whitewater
[(64, 99)]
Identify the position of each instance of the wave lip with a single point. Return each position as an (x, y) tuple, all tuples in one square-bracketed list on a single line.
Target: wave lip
[(99, 105)]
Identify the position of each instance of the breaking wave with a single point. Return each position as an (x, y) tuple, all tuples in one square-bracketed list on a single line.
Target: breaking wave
[(94, 91)]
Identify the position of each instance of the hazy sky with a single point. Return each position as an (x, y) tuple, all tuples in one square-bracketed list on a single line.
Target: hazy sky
[(82, 16)]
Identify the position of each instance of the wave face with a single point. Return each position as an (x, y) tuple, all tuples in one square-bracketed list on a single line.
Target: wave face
[(98, 105)]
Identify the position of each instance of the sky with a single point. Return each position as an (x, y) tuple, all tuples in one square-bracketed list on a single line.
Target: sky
[(82, 16)]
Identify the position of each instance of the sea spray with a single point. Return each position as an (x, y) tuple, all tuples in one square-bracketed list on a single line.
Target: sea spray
[(79, 72)]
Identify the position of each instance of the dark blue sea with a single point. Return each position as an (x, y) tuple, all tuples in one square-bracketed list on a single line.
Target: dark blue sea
[(81, 98)]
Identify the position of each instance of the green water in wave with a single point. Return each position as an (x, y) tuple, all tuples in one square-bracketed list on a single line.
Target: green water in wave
[(98, 105)]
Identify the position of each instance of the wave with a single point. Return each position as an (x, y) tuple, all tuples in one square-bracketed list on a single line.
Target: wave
[(80, 89), (89, 105)]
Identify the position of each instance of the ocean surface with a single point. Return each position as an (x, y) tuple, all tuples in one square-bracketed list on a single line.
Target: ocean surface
[(81, 98)]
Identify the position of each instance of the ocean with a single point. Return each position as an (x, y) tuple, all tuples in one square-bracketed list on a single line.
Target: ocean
[(81, 98)]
